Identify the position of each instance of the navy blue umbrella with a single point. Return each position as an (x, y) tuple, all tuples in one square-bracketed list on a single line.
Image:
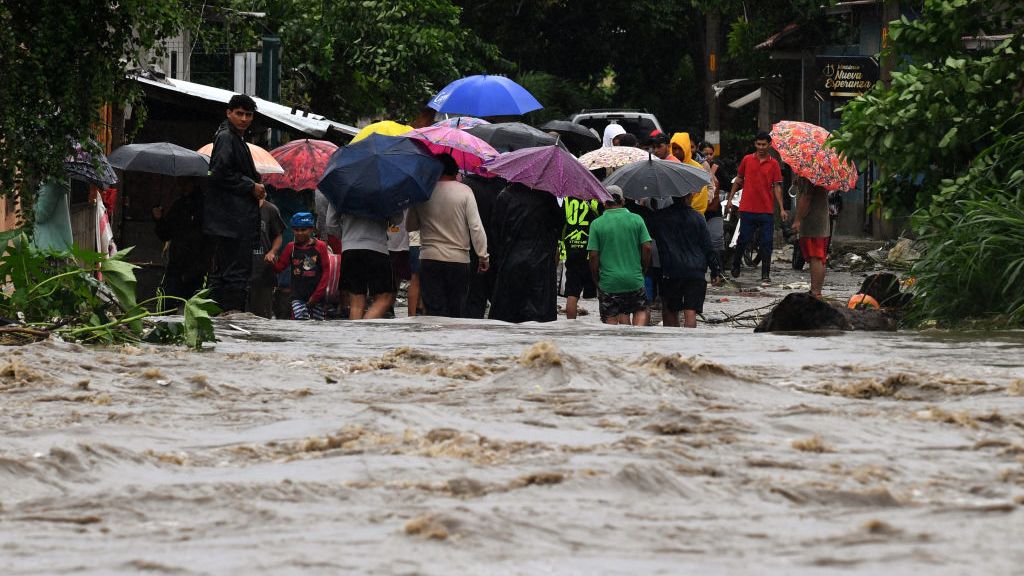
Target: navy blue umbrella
[(380, 176), (484, 95)]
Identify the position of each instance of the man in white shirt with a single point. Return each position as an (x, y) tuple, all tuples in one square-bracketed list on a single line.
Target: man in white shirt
[(447, 223)]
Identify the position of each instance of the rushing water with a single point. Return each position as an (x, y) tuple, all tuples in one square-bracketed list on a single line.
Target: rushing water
[(427, 446)]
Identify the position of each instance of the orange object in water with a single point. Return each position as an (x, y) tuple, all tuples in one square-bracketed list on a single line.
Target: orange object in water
[(861, 301)]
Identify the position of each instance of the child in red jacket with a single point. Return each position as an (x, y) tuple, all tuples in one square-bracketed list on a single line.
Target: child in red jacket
[(309, 260)]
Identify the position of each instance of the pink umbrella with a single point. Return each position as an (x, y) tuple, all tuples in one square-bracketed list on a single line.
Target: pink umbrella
[(468, 150), (548, 168)]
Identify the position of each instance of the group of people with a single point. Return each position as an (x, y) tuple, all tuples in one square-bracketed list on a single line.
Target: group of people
[(481, 246)]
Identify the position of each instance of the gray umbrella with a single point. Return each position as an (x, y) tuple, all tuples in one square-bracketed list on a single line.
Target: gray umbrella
[(654, 178), (160, 158), (511, 136)]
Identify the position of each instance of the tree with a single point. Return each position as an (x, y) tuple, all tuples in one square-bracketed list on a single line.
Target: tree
[(359, 58), (941, 110), (62, 60)]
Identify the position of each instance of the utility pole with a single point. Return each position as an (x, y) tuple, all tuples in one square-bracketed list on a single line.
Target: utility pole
[(712, 134)]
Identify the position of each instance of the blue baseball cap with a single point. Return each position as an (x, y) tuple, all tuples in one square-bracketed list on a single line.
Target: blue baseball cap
[(303, 220)]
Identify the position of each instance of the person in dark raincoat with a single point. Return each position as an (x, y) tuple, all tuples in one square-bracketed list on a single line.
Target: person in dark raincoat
[(527, 226), (181, 227), (231, 215), (481, 284)]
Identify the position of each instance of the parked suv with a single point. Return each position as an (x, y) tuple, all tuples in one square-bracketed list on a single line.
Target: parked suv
[(637, 122)]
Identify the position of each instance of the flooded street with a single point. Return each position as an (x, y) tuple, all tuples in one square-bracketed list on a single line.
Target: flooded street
[(430, 446)]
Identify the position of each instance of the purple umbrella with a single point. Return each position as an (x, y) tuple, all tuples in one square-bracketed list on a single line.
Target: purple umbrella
[(548, 168)]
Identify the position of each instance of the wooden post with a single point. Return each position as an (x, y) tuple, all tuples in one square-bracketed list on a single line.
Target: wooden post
[(712, 134)]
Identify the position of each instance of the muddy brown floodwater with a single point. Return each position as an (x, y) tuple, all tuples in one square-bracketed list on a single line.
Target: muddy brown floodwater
[(427, 446)]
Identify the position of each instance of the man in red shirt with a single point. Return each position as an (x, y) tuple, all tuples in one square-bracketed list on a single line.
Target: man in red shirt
[(761, 178)]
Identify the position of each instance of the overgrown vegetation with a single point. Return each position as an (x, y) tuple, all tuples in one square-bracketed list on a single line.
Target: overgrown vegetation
[(62, 62), (973, 267), (85, 297), (940, 110), (949, 134)]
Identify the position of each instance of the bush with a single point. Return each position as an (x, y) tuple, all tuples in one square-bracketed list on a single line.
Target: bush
[(973, 266)]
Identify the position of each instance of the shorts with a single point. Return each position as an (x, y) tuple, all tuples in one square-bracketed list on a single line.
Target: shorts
[(400, 265), (612, 305), (414, 259), (578, 279), (814, 248), (683, 294), (366, 272)]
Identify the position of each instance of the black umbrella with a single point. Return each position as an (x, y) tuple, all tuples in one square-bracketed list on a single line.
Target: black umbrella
[(654, 178), (510, 136), (88, 163), (160, 158), (577, 137)]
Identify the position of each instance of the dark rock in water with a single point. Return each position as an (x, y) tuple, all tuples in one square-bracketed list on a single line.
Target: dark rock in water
[(884, 287), (868, 319), (801, 311)]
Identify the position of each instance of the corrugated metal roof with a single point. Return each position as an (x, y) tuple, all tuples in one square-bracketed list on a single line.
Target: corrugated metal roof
[(305, 122)]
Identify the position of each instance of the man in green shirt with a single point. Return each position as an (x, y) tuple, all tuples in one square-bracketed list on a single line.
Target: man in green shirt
[(620, 252)]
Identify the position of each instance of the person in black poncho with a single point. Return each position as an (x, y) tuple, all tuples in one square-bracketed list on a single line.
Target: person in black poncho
[(527, 226)]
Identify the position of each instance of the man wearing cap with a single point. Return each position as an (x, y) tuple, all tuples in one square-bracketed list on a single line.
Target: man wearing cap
[(620, 252), (761, 178), (659, 146)]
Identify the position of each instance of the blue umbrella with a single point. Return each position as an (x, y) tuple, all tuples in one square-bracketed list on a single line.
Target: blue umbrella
[(484, 95), (380, 176)]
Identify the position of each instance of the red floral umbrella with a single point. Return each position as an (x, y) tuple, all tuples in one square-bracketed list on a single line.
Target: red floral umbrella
[(303, 161), (802, 146)]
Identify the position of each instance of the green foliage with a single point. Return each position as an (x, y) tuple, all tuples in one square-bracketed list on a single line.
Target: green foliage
[(973, 267), (61, 293), (364, 58), (561, 97), (938, 113), (62, 61)]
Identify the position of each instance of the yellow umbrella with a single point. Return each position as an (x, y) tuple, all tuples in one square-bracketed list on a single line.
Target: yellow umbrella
[(264, 162), (384, 127)]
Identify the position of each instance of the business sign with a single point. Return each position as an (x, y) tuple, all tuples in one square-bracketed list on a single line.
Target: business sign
[(843, 77)]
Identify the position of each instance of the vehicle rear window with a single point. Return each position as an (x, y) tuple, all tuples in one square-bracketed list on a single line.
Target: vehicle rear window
[(639, 127)]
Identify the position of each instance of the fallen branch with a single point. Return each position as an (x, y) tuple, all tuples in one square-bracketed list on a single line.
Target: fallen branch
[(22, 330), (741, 316)]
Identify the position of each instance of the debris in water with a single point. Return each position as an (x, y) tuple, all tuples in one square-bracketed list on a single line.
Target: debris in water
[(677, 363), (1016, 388), (538, 479), (429, 527), (961, 418), (813, 444), (875, 526), (541, 354)]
